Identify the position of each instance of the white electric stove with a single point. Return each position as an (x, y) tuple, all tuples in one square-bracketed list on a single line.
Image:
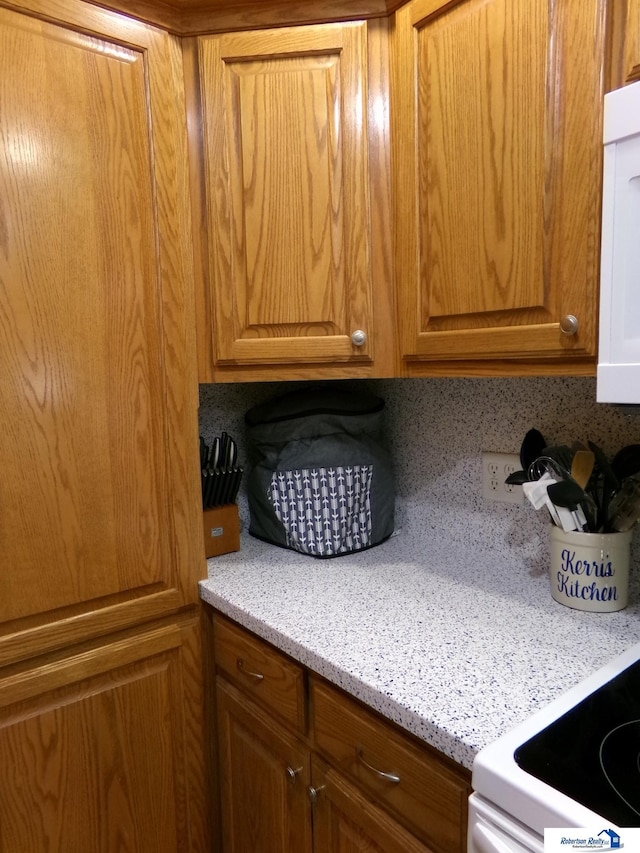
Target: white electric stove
[(575, 763)]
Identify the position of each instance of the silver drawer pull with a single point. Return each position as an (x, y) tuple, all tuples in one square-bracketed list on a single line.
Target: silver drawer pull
[(258, 676), (390, 777)]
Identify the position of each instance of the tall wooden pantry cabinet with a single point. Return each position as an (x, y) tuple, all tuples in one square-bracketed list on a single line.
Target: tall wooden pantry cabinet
[(101, 732)]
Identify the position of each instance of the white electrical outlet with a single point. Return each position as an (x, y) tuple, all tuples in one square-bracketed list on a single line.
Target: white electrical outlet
[(496, 467)]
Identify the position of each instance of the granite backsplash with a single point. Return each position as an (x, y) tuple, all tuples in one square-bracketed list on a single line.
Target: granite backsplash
[(437, 430)]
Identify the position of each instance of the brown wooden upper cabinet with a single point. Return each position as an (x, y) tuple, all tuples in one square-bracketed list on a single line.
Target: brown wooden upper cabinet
[(497, 145), (625, 52), (285, 251)]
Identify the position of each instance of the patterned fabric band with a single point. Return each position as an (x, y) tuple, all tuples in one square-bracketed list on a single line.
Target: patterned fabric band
[(324, 511)]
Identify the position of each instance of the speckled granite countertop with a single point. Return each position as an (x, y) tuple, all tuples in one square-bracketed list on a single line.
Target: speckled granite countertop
[(456, 646)]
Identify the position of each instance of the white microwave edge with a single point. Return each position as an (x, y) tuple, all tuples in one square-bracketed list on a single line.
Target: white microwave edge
[(618, 374)]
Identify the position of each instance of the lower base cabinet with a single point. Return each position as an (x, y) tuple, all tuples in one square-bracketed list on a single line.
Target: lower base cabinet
[(101, 748), (344, 819), (305, 768), (277, 796), (264, 779)]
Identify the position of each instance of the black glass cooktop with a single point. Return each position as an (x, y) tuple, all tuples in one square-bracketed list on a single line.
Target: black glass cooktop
[(592, 753)]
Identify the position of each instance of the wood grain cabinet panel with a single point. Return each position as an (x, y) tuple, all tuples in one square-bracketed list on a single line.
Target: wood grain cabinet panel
[(96, 751), (419, 786), (284, 112), (269, 677), (287, 790), (95, 285), (497, 146), (625, 53), (101, 715), (345, 819), (287, 272), (265, 774)]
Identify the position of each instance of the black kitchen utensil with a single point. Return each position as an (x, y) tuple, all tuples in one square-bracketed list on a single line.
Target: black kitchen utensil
[(236, 484), (532, 446), (205, 485), (229, 475), (624, 509), (562, 455), (210, 487), (610, 484), (626, 462), (220, 473), (568, 494), (216, 477)]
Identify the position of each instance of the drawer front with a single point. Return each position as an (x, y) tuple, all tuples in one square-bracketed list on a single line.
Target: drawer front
[(262, 672), (424, 791)]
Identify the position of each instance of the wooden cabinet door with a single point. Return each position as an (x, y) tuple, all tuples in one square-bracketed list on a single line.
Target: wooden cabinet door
[(497, 148), (97, 391), (424, 790), (625, 53), (345, 820), (96, 750), (264, 776), (284, 116)]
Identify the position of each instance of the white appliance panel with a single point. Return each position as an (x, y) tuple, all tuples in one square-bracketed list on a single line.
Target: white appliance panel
[(619, 344), (510, 808)]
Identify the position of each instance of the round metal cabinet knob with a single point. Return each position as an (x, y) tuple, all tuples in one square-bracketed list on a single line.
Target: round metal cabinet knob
[(313, 793), (293, 773), (569, 324), (359, 338)]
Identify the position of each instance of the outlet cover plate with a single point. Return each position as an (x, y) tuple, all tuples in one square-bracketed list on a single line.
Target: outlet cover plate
[(496, 467)]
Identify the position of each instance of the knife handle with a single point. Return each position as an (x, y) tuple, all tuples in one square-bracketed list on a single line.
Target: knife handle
[(204, 482), (236, 485), (227, 485), (215, 488)]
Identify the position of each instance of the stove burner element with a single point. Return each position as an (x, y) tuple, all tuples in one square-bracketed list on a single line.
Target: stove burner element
[(620, 762)]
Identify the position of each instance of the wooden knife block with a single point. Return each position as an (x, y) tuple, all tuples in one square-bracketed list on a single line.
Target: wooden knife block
[(221, 530)]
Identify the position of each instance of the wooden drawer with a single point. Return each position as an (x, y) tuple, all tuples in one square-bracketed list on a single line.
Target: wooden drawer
[(429, 794), (261, 671)]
